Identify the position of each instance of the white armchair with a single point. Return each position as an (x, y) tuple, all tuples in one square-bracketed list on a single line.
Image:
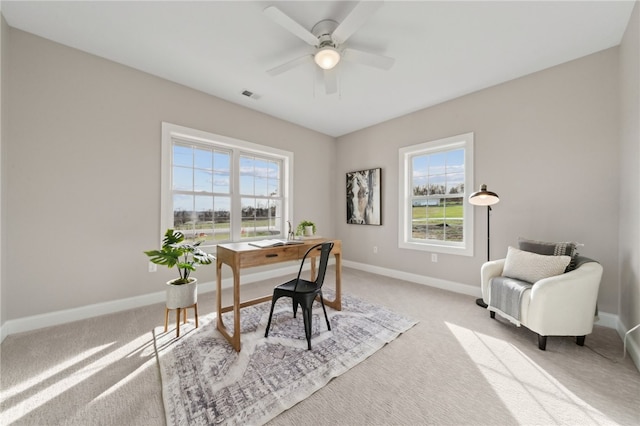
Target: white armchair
[(561, 305)]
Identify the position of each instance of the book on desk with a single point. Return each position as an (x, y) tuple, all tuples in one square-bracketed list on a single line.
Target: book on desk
[(274, 243)]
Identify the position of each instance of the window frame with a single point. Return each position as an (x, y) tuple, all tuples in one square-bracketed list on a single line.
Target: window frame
[(237, 147), (405, 194)]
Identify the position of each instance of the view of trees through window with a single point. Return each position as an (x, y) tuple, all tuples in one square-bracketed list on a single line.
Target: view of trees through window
[(202, 188), (201, 191), (260, 189), (438, 196)]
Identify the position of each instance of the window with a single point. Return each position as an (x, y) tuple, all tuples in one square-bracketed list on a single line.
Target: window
[(220, 189), (433, 211)]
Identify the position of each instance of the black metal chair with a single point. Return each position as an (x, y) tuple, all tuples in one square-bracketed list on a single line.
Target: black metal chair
[(303, 292)]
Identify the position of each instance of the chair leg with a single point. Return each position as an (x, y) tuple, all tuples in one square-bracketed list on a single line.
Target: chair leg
[(492, 314), (580, 340), (273, 303), (307, 316), (326, 317), (542, 342)]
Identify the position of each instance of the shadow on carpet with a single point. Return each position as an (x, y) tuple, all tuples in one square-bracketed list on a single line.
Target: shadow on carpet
[(205, 381)]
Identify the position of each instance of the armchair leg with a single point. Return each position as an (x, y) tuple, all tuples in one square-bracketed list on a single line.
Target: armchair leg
[(492, 314), (580, 340), (542, 342)]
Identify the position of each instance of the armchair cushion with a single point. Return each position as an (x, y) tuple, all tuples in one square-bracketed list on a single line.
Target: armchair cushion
[(532, 267)]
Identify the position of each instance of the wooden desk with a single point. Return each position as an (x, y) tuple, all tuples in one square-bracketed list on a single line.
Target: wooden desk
[(242, 255)]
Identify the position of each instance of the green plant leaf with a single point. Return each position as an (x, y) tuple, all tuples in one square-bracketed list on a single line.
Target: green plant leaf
[(186, 266), (174, 252), (201, 257), (172, 237)]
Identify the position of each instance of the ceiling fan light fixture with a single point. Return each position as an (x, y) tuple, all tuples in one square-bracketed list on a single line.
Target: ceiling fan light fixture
[(327, 57)]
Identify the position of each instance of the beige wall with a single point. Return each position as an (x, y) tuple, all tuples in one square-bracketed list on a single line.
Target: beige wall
[(83, 154), (630, 176), (83, 166), (547, 143)]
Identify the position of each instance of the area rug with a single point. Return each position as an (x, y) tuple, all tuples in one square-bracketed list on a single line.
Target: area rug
[(204, 381)]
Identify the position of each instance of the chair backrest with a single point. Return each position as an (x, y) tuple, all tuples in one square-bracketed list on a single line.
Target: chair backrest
[(325, 249)]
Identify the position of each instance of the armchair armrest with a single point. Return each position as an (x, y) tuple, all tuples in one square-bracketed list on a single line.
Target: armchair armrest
[(565, 304), (489, 270)]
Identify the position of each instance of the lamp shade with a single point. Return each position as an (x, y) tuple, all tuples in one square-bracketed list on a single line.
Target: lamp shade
[(484, 197), (327, 58)]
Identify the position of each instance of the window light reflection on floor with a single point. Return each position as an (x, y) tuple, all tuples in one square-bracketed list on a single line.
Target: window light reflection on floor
[(531, 395), (47, 374), (39, 398)]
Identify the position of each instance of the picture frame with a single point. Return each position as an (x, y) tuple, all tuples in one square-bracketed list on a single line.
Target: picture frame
[(363, 196)]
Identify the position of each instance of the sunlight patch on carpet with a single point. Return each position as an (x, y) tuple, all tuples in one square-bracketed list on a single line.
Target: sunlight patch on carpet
[(204, 381), (108, 356), (531, 395)]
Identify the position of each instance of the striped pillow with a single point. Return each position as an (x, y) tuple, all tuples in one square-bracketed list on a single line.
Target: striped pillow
[(551, 249)]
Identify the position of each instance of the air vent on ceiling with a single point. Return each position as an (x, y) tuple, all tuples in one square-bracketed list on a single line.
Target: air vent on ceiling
[(249, 94)]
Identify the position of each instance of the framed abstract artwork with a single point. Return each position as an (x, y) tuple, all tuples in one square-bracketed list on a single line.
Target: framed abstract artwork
[(363, 197)]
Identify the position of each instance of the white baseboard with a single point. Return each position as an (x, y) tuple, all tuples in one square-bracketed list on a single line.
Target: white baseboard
[(417, 278), (633, 345), (608, 320), (35, 322), (69, 315)]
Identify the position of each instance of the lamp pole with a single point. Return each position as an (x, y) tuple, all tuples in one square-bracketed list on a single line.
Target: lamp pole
[(488, 233), (485, 198)]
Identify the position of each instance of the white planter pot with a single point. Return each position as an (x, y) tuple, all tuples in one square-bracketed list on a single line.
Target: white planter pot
[(308, 231), (182, 295)]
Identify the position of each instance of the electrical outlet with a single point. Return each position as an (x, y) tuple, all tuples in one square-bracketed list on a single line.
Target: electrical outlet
[(153, 267), (375, 249), (434, 257)]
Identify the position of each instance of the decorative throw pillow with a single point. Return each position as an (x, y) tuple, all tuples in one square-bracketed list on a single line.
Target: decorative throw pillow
[(551, 249), (532, 267)]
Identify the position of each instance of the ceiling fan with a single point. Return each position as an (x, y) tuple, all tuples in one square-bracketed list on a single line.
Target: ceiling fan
[(328, 38)]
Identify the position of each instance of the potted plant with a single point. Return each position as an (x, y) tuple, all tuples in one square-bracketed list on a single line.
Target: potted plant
[(306, 228), (181, 291)]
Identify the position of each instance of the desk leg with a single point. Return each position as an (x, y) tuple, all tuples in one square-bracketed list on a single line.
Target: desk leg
[(235, 339), (337, 302), (219, 323)]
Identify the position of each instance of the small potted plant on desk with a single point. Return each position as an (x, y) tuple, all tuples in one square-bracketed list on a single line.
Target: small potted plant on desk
[(182, 292), (306, 228)]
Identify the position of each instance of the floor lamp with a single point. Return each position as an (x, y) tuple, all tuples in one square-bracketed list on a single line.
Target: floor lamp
[(485, 198)]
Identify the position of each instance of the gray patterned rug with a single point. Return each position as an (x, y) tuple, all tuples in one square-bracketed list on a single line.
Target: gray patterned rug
[(204, 381)]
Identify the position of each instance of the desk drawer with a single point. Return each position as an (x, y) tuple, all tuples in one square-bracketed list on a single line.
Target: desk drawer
[(268, 255)]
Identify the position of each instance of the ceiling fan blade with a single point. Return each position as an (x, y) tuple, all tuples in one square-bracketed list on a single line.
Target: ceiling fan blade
[(354, 20), (369, 59), (330, 81), (288, 65), (290, 25)]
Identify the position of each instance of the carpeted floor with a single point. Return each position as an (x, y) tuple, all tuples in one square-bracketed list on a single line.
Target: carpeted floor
[(455, 367)]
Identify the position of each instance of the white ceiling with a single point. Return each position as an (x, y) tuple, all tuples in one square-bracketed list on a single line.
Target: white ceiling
[(442, 50)]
